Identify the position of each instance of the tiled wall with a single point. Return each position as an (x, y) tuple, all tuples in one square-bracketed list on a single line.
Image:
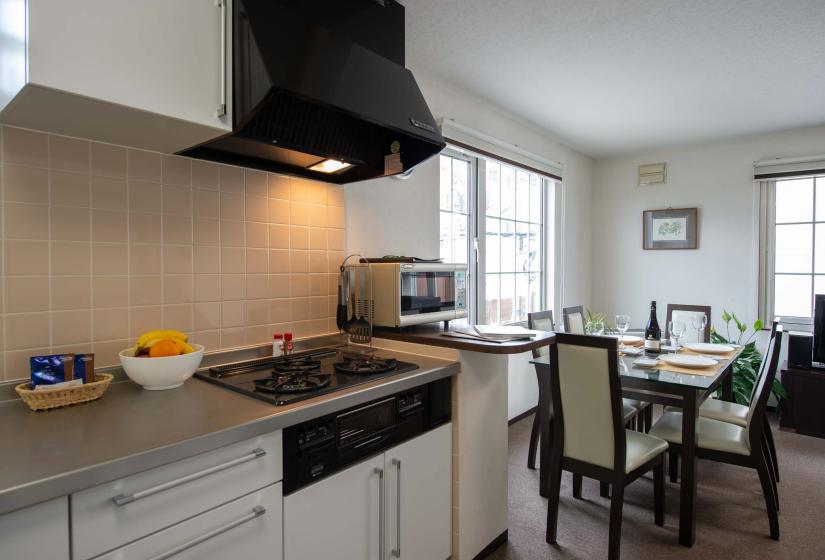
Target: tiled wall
[(101, 243)]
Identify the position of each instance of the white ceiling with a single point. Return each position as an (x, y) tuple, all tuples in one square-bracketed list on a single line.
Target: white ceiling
[(616, 76)]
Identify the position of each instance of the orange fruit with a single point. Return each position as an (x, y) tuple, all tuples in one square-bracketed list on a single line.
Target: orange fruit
[(165, 348)]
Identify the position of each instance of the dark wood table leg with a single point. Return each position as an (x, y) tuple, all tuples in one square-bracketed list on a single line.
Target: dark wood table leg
[(544, 434), (687, 497), (727, 384)]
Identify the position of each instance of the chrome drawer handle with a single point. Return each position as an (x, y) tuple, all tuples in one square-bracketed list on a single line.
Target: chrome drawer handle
[(221, 111), (256, 512), (123, 499), (380, 472), (396, 552)]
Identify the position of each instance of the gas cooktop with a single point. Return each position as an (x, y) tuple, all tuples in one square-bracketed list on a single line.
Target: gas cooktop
[(288, 379)]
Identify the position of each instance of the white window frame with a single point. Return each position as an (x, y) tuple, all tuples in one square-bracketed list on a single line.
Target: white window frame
[(549, 232), (767, 251)]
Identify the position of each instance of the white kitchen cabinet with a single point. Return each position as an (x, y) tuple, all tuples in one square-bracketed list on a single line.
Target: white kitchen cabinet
[(414, 522), (249, 527), (338, 517), (109, 515), (151, 74), (418, 480), (39, 531)]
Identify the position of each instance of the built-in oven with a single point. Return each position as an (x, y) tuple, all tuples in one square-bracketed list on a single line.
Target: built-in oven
[(406, 294), (317, 448)]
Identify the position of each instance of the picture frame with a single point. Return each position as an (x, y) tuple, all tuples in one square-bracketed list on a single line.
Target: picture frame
[(670, 228)]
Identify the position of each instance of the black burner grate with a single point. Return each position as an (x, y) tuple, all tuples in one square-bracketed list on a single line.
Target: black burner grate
[(362, 366)]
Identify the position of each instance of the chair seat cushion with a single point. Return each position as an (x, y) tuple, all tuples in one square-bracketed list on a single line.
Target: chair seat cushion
[(641, 448), (711, 434), (629, 412), (723, 411)]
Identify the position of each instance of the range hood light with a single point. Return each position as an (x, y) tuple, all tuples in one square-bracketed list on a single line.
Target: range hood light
[(329, 166)]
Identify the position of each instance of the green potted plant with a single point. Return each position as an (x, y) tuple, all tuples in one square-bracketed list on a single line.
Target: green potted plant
[(595, 323), (746, 366)]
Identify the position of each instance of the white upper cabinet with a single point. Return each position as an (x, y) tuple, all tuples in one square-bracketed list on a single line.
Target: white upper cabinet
[(152, 74)]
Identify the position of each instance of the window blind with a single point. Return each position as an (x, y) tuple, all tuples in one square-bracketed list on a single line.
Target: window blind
[(778, 168), (483, 144)]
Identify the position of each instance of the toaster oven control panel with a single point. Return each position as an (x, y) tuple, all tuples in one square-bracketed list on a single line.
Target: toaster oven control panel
[(460, 290)]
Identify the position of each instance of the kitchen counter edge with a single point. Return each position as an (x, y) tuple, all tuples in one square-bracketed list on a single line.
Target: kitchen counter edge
[(45, 486)]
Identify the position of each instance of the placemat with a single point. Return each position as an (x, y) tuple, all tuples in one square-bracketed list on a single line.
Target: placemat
[(708, 372), (725, 356)]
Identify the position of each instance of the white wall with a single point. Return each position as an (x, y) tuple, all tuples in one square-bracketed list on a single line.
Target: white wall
[(400, 217), (391, 216), (718, 179)]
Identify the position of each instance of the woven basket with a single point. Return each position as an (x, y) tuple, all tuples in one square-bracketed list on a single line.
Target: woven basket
[(46, 399)]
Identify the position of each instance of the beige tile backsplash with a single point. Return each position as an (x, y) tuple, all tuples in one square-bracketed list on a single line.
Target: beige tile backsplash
[(101, 243)]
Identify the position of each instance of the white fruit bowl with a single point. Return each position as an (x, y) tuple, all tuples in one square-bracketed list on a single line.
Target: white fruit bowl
[(156, 374)]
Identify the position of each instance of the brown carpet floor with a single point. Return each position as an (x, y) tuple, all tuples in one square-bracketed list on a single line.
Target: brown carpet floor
[(731, 519)]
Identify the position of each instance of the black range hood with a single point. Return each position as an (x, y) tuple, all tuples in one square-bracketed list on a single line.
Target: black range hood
[(319, 82)]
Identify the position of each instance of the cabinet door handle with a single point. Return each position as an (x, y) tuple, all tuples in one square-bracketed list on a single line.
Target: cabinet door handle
[(380, 472), (123, 499), (256, 512), (396, 552), (221, 112)]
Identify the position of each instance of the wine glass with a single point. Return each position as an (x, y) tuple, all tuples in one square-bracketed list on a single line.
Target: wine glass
[(677, 330), (622, 324), (699, 322)]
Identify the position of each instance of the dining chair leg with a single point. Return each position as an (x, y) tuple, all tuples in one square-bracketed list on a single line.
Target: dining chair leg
[(673, 466), (659, 492), (769, 461), (553, 490), (604, 489), (577, 486), (648, 417), (772, 446), (534, 441), (616, 503), (770, 497)]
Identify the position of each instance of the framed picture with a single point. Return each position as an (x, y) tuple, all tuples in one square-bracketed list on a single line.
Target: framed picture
[(673, 228)]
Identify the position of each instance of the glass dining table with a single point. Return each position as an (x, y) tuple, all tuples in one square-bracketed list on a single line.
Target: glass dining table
[(659, 386)]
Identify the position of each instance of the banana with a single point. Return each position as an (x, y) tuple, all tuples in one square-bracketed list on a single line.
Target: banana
[(187, 348), (162, 333), (149, 339)]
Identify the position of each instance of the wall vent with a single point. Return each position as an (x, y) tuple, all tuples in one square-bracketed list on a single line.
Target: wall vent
[(653, 174)]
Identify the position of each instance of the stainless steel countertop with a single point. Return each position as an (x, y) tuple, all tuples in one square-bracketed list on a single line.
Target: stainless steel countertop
[(53, 453)]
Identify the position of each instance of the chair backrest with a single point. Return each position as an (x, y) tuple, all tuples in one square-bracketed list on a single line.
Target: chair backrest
[(774, 327), (587, 399), (685, 314), (573, 319), (540, 321), (764, 383)]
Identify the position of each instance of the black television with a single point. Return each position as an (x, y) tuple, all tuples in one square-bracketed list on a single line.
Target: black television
[(819, 330)]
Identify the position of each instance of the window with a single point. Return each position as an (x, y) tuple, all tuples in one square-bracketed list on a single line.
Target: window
[(795, 270), (455, 208), (499, 210)]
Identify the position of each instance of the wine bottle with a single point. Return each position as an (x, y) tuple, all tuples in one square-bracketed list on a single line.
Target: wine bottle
[(653, 334)]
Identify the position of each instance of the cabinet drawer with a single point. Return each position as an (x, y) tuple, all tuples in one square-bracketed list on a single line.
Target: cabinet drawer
[(109, 515), (39, 531), (249, 527)]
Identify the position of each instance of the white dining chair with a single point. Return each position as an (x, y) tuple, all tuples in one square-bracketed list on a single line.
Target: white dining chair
[(732, 444), (589, 435)]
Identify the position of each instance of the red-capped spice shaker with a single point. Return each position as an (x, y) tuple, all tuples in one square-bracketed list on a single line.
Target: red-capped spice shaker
[(277, 345), (288, 347)]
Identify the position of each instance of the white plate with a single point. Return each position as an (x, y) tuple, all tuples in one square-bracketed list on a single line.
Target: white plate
[(688, 361), (628, 338), (707, 348)]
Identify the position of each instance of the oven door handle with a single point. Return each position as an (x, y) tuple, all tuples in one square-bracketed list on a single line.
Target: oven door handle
[(377, 439)]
